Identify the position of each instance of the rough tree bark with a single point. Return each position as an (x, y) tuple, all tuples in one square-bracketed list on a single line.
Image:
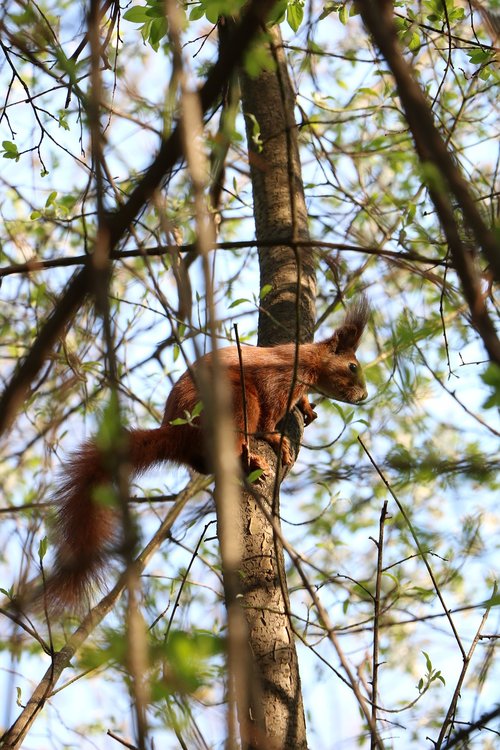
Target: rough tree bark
[(287, 314)]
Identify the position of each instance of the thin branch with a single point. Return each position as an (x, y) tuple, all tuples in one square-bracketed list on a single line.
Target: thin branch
[(456, 694), (376, 619), (449, 185), (421, 550), (15, 735), (34, 264), (117, 224)]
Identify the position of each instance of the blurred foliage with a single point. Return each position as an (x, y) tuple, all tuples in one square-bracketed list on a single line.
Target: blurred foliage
[(431, 420)]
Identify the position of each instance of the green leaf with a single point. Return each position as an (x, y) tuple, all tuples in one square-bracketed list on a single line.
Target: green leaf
[(265, 291), (254, 475), (257, 59), (494, 601), (329, 7), (62, 121), (178, 421), (10, 150), (9, 147), (197, 12), (294, 15), (51, 199), (428, 663), (278, 13), (478, 56), (137, 14), (156, 11), (414, 42), (238, 302), (197, 409), (159, 28), (42, 547)]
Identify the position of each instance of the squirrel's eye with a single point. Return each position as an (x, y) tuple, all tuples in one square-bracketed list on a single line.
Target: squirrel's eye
[(353, 367)]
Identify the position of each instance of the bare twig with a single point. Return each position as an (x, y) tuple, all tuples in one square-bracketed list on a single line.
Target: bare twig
[(117, 224), (450, 185), (15, 735), (376, 618), (448, 721), (421, 550)]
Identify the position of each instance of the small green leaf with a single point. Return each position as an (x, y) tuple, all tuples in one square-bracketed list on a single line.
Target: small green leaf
[(9, 147), (35, 215), (343, 14), (42, 547), (10, 150), (179, 421), (256, 139), (159, 29), (330, 7), (51, 199), (254, 475), (278, 13), (237, 302), (197, 12), (428, 662), (414, 42), (265, 291), (494, 601), (156, 11), (478, 56), (137, 14), (295, 15), (197, 409)]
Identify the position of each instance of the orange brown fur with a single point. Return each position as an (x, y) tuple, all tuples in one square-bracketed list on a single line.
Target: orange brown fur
[(86, 531)]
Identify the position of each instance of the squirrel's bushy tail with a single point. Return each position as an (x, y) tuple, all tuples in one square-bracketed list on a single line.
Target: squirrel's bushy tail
[(87, 530)]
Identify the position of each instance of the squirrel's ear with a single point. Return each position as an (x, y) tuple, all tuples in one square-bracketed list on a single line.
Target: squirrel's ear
[(348, 335)]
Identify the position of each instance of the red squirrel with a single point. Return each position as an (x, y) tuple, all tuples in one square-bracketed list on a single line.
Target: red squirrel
[(86, 530)]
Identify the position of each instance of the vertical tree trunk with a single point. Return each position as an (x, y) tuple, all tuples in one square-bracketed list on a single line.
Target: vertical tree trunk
[(288, 315), (288, 310)]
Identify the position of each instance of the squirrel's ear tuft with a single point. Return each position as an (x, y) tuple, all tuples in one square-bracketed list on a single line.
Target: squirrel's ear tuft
[(348, 335)]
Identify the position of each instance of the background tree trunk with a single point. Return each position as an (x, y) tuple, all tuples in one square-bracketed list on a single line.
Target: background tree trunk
[(288, 314)]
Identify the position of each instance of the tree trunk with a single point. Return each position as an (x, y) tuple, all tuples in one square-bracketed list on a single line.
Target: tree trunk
[(288, 310), (288, 315)]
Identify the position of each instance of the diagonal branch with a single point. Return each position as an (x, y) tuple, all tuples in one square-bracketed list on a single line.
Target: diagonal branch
[(15, 735), (431, 149), (117, 224)]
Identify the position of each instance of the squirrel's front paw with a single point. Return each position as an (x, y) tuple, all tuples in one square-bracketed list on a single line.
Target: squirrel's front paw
[(307, 410)]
